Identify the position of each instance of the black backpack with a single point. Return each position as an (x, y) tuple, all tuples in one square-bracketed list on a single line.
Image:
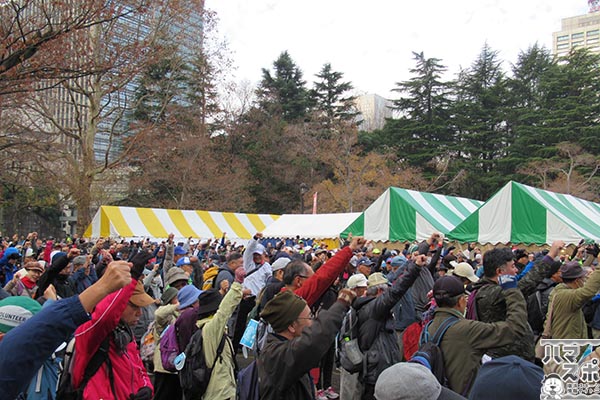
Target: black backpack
[(65, 390), (195, 374), (535, 317), (429, 353)]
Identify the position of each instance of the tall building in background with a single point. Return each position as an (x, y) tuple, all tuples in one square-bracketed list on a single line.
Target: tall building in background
[(579, 31), (373, 109)]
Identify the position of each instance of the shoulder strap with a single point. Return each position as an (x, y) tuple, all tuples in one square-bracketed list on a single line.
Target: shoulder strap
[(441, 330), (99, 358), (254, 270)]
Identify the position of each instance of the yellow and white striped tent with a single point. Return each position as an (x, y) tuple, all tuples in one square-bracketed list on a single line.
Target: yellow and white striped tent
[(133, 222)]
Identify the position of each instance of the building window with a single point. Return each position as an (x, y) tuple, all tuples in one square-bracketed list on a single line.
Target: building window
[(577, 44), (562, 46), (578, 35), (595, 33), (592, 40), (562, 38)]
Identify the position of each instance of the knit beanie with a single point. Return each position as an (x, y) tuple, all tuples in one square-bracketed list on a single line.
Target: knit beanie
[(282, 310)]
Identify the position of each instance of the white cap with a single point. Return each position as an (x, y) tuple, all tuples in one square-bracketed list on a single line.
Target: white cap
[(357, 280), (464, 270), (280, 263)]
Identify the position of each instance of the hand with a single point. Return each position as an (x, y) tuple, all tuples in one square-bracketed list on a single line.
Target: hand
[(156, 267), (74, 252), (420, 260), (224, 287), (259, 235), (555, 249), (171, 237), (357, 243), (507, 282), (347, 296), (50, 293), (139, 262), (193, 259), (116, 275)]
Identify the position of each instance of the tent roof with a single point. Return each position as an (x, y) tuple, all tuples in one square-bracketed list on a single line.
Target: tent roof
[(519, 213), (310, 226), (131, 222), (407, 215)]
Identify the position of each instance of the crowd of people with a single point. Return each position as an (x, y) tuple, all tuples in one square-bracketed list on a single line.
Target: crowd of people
[(116, 319)]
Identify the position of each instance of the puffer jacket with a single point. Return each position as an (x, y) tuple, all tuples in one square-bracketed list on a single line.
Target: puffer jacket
[(127, 368), (376, 337)]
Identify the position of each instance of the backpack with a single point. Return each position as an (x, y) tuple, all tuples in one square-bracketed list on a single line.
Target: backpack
[(210, 277), (169, 348), (65, 389), (472, 306), (348, 353), (429, 353), (148, 345), (247, 382), (535, 317), (195, 374)]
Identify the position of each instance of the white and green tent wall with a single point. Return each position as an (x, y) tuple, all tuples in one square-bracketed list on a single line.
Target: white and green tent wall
[(522, 214), (401, 215)]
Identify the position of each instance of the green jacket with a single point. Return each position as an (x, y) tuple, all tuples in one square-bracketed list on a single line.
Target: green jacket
[(222, 381), (567, 315), (491, 307), (467, 341)]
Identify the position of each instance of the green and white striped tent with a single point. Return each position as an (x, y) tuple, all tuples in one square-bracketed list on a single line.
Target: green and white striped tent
[(522, 214), (401, 215)]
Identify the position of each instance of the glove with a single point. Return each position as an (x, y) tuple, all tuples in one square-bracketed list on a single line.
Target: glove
[(144, 393), (507, 282), (139, 262)]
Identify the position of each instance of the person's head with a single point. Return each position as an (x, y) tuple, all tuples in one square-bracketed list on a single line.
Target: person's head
[(409, 381), (138, 300), (278, 267), (178, 252), (235, 260), (209, 302), (295, 273), (358, 283), (185, 264), (573, 274), (398, 261), (176, 278), (257, 255), (465, 272), (377, 284), (34, 270), (554, 272), (521, 256), (497, 262), (321, 255), (188, 296), (449, 291), (288, 314), (363, 266), (169, 296)]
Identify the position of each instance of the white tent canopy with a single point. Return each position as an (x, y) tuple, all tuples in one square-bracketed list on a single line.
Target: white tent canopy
[(310, 226)]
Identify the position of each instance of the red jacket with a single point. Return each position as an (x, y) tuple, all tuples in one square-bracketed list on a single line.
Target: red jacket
[(314, 287), (128, 370)]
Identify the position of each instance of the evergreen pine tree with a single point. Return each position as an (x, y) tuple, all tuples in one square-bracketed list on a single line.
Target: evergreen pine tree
[(330, 98)]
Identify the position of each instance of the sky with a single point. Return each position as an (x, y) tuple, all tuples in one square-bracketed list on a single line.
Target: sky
[(371, 42)]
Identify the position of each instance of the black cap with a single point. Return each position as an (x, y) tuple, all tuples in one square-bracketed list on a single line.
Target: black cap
[(448, 286)]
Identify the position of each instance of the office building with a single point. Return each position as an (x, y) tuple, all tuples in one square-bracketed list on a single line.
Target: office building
[(582, 31)]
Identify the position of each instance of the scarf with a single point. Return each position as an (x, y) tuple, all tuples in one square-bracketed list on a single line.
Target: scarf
[(29, 284)]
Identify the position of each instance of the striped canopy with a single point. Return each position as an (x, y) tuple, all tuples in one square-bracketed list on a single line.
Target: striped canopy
[(310, 226), (406, 215), (522, 214), (132, 222)]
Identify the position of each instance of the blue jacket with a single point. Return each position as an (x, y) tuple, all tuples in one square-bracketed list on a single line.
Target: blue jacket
[(9, 269), (25, 348)]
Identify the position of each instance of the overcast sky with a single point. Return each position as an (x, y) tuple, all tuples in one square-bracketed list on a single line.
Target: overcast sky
[(371, 42)]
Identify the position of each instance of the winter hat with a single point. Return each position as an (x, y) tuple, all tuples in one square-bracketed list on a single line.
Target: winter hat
[(572, 270), (79, 260), (15, 310), (34, 265), (188, 296), (410, 381), (282, 310), (168, 295), (508, 378)]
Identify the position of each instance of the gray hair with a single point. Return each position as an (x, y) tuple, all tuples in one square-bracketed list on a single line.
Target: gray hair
[(372, 291)]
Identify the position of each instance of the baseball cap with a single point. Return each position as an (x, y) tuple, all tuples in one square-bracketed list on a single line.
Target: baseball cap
[(364, 261), (448, 286), (280, 263), (179, 251), (357, 280), (377, 279), (399, 261), (464, 270), (259, 249), (183, 261)]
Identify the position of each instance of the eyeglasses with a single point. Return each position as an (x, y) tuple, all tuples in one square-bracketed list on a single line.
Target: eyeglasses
[(302, 276), (311, 317)]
